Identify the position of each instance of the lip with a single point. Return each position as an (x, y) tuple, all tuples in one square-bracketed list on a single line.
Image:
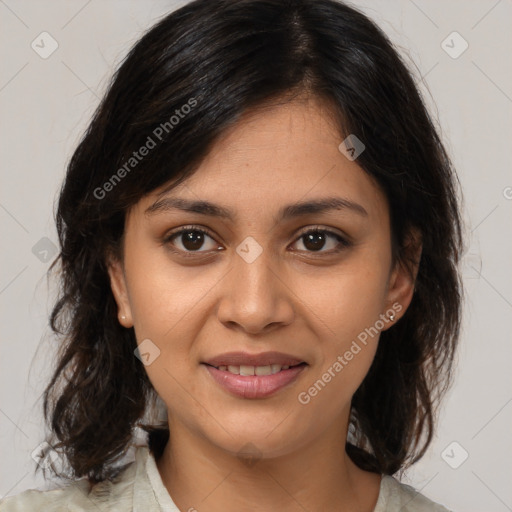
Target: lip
[(254, 386), (245, 358)]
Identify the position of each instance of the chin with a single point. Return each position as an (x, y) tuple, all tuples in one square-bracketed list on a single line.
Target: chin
[(255, 443)]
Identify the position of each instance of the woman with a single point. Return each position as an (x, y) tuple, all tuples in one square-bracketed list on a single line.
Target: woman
[(259, 231)]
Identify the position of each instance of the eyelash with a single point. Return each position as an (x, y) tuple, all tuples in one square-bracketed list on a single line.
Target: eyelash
[(343, 242)]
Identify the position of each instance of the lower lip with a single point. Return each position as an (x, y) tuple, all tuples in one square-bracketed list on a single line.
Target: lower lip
[(254, 386)]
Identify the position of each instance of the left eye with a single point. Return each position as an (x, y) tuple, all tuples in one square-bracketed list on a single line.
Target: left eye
[(315, 239)]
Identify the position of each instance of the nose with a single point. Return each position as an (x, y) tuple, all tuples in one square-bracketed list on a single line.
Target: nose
[(255, 296)]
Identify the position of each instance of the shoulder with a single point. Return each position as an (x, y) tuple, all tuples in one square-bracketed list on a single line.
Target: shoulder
[(395, 495), (78, 496)]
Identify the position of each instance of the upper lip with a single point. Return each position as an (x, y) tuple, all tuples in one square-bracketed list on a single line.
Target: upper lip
[(247, 359)]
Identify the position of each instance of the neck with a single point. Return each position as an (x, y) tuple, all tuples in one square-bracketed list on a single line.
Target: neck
[(318, 476)]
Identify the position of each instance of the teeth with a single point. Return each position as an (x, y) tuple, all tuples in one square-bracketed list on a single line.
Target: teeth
[(275, 368), (262, 370), (246, 370)]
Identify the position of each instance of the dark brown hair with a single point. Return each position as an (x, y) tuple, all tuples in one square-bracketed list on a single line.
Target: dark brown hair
[(221, 58)]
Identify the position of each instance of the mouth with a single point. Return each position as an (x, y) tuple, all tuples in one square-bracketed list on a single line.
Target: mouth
[(252, 376), (247, 375)]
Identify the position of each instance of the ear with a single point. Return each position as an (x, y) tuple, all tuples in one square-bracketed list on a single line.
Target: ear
[(403, 276), (120, 290)]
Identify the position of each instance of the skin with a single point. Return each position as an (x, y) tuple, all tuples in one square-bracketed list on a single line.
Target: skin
[(294, 299)]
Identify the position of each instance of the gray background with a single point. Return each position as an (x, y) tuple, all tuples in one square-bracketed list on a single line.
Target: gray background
[(45, 105)]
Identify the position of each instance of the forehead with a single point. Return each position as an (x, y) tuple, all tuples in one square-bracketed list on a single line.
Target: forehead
[(278, 155)]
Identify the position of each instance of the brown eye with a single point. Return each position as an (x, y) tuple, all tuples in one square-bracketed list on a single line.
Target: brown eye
[(315, 240), (190, 240)]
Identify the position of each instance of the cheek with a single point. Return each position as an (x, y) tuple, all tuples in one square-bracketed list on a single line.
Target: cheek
[(164, 295), (164, 309), (159, 305), (348, 299), (347, 306)]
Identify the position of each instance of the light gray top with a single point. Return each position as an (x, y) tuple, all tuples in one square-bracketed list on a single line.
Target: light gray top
[(139, 488)]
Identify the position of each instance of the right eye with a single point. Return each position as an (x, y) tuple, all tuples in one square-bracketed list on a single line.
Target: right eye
[(191, 239)]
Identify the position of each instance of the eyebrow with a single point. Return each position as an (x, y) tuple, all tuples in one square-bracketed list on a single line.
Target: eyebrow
[(287, 212)]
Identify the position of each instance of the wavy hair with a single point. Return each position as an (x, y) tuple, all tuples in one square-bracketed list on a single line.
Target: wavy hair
[(221, 58)]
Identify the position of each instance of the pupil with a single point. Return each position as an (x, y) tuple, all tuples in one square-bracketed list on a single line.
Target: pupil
[(314, 241), (193, 240)]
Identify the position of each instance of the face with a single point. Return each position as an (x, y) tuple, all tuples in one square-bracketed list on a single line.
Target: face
[(312, 285)]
